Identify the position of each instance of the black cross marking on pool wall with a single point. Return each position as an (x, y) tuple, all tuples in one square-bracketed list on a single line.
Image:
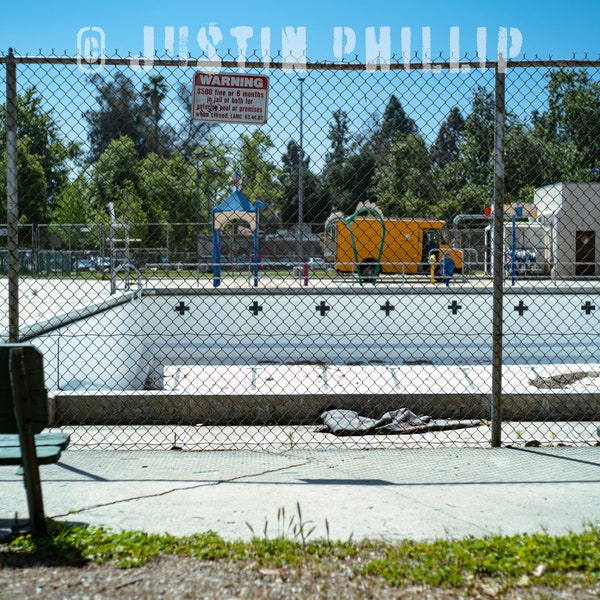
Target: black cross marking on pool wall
[(588, 307), (521, 308), (454, 307), (387, 307), (256, 308), (323, 308), (182, 308)]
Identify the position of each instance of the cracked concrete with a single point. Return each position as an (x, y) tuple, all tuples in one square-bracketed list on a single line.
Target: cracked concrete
[(386, 494)]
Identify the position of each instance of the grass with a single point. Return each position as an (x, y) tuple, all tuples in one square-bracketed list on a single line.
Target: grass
[(551, 561)]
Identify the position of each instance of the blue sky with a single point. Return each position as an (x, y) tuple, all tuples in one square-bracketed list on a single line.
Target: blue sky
[(547, 28)]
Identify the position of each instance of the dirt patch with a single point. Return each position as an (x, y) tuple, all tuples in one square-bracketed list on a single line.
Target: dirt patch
[(185, 577)]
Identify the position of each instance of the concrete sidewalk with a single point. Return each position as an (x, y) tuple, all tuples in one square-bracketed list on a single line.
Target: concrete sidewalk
[(379, 494)]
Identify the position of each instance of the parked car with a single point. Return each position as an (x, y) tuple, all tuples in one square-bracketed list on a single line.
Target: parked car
[(316, 264), (103, 264), (84, 264)]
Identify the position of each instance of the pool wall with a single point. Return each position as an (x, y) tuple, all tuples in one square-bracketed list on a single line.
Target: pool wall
[(127, 346)]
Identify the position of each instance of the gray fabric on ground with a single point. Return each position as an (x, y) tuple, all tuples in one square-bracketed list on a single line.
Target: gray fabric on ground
[(348, 422)]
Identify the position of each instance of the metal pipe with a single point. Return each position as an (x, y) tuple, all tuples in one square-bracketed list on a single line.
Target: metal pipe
[(111, 242), (464, 217), (497, 259), (129, 61), (12, 199), (300, 250)]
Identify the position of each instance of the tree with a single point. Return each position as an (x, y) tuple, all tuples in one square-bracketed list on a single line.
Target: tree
[(573, 121), (190, 134), (291, 159), (384, 131), (73, 203), (446, 147), (477, 148), (339, 137), (355, 183), (260, 176), (34, 201), (394, 125), (154, 92), (316, 205), (395, 121), (117, 165), (529, 162), (349, 167), (43, 157), (404, 184), (125, 111)]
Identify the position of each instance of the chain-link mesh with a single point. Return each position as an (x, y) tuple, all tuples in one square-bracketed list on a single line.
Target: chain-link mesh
[(327, 278)]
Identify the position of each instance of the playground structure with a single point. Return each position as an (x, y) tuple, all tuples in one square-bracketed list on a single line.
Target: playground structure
[(235, 206)]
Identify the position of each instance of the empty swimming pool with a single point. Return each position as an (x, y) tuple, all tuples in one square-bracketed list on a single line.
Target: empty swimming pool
[(127, 346)]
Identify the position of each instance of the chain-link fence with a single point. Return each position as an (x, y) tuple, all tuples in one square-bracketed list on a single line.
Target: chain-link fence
[(398, 257)]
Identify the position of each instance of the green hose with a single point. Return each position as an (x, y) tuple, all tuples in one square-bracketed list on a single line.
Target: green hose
[(349, 222)]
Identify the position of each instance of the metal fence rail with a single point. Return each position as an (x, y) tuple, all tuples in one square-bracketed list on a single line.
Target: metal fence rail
[(419, 264)]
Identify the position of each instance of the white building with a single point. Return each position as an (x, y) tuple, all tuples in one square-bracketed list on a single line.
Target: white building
[(570, 212)]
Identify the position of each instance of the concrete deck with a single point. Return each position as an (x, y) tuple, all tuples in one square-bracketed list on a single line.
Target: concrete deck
[(381, 494)]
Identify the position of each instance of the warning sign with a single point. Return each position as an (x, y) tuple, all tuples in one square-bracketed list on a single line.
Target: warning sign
[(219, 98)]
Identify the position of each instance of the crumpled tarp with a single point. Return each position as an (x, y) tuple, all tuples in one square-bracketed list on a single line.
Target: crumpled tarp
[(348, 422)]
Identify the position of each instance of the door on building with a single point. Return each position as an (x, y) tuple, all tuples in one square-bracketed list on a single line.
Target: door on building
[(585, 253)]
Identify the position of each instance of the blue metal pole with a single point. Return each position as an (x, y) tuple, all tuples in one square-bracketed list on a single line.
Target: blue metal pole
[(256, 257), (514, 243), (216, 255)]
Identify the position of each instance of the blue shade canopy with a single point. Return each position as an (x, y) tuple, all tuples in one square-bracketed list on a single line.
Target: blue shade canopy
[(237, 202)]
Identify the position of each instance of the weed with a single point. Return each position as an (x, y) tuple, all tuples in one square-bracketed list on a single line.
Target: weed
[(291, 442), (554, 561), (175, 446), (295, 527)]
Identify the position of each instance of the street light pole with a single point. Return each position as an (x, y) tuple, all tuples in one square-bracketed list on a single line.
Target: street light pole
[(199, 157), (197, 218)]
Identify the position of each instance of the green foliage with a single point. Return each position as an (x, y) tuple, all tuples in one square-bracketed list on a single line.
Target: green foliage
[(260, 176), (42, 158), (39, 133), (404, 184), (116, 165), (73, 203), (477, 144), (446, 148), (452, 562), (121, 112), (552, 560), (155, 169), (339, 137), (574, 114), (396, 123)]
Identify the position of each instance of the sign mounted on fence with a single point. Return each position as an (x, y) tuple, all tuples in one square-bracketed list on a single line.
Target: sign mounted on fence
[(219, 98)]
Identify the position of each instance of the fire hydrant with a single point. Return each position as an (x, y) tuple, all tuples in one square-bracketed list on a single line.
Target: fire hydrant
[(432, 261)]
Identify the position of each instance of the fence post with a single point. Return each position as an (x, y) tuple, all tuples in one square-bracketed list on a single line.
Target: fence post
[(497, 258), (12, 198)]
